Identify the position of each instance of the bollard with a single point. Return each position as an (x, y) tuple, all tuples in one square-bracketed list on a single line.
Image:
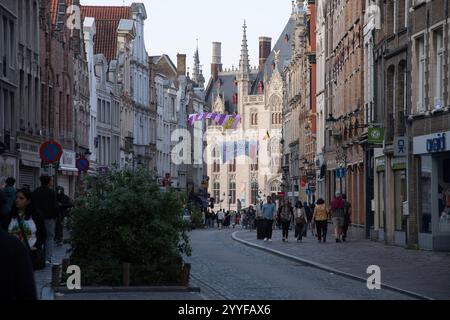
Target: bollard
[(56, 274), (65, 266), (186, 271), (126, 274)]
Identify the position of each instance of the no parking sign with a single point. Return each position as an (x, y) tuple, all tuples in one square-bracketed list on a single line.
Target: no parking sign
[(50, 152)]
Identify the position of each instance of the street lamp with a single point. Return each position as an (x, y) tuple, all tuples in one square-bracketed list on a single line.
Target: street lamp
[(229, 202)]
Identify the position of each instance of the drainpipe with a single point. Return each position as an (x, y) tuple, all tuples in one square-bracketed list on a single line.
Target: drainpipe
[(410, 157)]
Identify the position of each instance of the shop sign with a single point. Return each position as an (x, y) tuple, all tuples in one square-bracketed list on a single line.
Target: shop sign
[(400, 147), (375, 135), (432, 143)]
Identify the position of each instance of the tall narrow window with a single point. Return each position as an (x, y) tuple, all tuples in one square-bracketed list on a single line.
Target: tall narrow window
[(421, 75), (232, 165), (217, 192), (232, 192), (254, 192), (11, 44), (439, 82)]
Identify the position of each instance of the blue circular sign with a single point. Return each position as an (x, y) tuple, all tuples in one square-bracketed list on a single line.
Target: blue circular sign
[(83, 164), (51, 152)]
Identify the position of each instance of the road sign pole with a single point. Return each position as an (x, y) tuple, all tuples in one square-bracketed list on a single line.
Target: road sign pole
[(56, 166)]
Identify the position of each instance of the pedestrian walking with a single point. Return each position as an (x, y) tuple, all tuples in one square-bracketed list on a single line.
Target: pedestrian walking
[(220, 218), (251, 214), (320, 218), (337, 215), (269, 212), (259, 221), (27, 225), (347, 217), (299, 220), (44, 200), (10, 195), (285, 213), (64, 205), (311, 223), (309, 215)]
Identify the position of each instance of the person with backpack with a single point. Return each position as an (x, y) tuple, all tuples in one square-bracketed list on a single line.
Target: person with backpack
[(285, 213), (320, 218), (299, 220)]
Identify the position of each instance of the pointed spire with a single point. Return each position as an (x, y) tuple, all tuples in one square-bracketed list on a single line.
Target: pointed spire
[(196, 70), (244, 63)]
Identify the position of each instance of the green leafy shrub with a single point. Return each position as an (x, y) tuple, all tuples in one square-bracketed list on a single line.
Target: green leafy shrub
[(124, 217)]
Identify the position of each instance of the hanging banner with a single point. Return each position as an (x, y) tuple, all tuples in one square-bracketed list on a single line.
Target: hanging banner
[(228, 121), (233, 149)]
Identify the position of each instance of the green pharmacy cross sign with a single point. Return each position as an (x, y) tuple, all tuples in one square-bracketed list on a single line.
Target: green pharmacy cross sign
[(375, 135)]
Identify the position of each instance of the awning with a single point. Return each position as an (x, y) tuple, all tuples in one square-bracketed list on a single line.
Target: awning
[(31, 163), (69, 171)]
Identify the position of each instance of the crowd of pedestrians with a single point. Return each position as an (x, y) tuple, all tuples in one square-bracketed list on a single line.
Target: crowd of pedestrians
[(303, 217)]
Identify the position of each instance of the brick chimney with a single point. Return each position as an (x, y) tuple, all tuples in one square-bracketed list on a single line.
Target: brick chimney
[(181, 64), (265, 47), (216, 65)]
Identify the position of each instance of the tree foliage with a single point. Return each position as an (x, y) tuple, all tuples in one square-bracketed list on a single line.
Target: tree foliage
[(124, 217)]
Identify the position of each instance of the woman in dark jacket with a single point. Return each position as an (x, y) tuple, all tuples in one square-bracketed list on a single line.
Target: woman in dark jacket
[(31, 220)]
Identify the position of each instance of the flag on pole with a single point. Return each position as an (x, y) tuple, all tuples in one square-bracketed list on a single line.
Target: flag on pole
[(267, 136)]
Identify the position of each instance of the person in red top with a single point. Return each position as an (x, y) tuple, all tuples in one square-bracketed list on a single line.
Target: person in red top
[(338, 215)]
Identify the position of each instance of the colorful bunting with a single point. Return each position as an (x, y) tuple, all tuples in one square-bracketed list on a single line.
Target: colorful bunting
[(228, 121)]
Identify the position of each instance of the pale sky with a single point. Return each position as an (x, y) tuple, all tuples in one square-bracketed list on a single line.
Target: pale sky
[(173, 26)]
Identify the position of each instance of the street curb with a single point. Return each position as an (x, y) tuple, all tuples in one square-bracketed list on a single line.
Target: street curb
[(326, 268), (65, 290)]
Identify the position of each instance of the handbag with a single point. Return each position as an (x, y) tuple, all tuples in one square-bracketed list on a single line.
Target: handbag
[(300, 220), (37, 256)]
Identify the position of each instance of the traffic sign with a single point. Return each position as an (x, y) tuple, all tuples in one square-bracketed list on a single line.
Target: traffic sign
[(341, 172), (82, 164), (2, 148), (50, 152)]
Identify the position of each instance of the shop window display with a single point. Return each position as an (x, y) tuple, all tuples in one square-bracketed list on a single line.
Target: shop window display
[(444, 196)]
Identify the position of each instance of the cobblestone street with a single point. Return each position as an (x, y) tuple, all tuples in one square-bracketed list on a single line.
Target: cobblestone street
[(227, 269)]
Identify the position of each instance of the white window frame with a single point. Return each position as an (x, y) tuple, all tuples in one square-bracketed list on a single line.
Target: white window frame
[(421, 107), (439, 72)]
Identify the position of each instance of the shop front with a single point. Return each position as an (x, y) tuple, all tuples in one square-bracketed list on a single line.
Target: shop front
[(30, 164), (380, 196), (432, 155), (68, 172)]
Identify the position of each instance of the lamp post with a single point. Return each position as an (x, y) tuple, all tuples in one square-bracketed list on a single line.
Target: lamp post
[(229, 202)]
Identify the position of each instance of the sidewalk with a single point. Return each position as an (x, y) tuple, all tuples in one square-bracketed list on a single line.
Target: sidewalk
[(423, 272), (43, 278)]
